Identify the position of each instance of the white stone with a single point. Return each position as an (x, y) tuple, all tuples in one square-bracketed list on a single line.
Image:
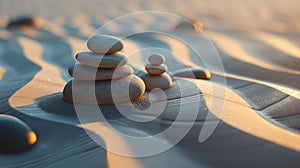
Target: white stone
[(102, 61), (83, 72), (156, 59), (104, 44)]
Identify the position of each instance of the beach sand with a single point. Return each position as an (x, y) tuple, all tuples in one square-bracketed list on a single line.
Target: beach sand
[(258, 42)]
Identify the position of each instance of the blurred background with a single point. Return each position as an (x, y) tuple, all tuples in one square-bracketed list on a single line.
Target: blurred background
[(278, 16)]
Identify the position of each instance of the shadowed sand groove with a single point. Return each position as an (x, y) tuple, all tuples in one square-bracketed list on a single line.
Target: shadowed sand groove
[(234, 49), (279, 43), (55, 50), (49, 74), (256, 47)]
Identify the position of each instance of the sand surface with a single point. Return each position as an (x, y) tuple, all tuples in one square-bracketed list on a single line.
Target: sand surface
[(258, 42)]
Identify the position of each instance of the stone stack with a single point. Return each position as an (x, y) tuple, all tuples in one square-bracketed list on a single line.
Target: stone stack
[(156, 76), (106, 66)]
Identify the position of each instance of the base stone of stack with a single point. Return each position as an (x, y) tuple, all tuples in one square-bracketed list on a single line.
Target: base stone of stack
[(124, 90), (163, 81)]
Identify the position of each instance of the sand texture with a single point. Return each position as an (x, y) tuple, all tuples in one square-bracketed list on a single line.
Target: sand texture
[(259, 44)]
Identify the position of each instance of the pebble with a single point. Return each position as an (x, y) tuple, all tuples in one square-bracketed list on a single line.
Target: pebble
[(102, 61), (103, 90), (104, 44), (23, 22), (193, 73), (156, 59), (163, 81), (190, 25), (16, 136), (156, 69), (89, 73)]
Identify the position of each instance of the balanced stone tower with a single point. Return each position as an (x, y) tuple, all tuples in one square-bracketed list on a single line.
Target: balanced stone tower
[(106, 66), (156, 76)]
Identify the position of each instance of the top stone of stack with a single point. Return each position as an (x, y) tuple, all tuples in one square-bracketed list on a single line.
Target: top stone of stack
[(156, 59), (104, 44)]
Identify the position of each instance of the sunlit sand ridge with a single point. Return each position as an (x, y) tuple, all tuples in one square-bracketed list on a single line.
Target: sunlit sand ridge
[(49, 74), (248, 120)]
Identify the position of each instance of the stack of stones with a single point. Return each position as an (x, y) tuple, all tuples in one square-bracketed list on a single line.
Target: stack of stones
[(105, 65), (156, 76)]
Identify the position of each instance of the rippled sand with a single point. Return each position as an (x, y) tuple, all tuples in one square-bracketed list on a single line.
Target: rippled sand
[(258, 42)]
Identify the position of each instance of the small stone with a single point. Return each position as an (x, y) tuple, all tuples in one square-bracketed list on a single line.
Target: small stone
[(189, 25), (16, 136), (156, 59), (163, 81), (102, 61), (23, 22), (83, 72), (156, 69), (104, 44), (193, 73), (126, 89)]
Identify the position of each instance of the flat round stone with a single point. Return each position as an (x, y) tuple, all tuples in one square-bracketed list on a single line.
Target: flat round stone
[(23, 22), (194, 73), (102, 61), (82, 72), (125, 89), (156, 69), (163, 81), (104, 44), (156, 59), (16, 136), (189, 25)]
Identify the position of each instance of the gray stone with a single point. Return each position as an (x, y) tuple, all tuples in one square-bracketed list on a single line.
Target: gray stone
[(156, 69), (156, 59), (104, 44), (16, 136), (190, 25), (83, 72), (193, 73), (102, 61), (125, 89), (162, 81), (26, 21)]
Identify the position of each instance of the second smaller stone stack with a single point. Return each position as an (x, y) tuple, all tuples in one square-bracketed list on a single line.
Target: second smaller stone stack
[(156, 76)]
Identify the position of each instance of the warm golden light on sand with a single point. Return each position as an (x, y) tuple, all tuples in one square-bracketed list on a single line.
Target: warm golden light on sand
[(246, 119), (2, 72), (198, 26), (31, 137), (108, 134), (33, 51)]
